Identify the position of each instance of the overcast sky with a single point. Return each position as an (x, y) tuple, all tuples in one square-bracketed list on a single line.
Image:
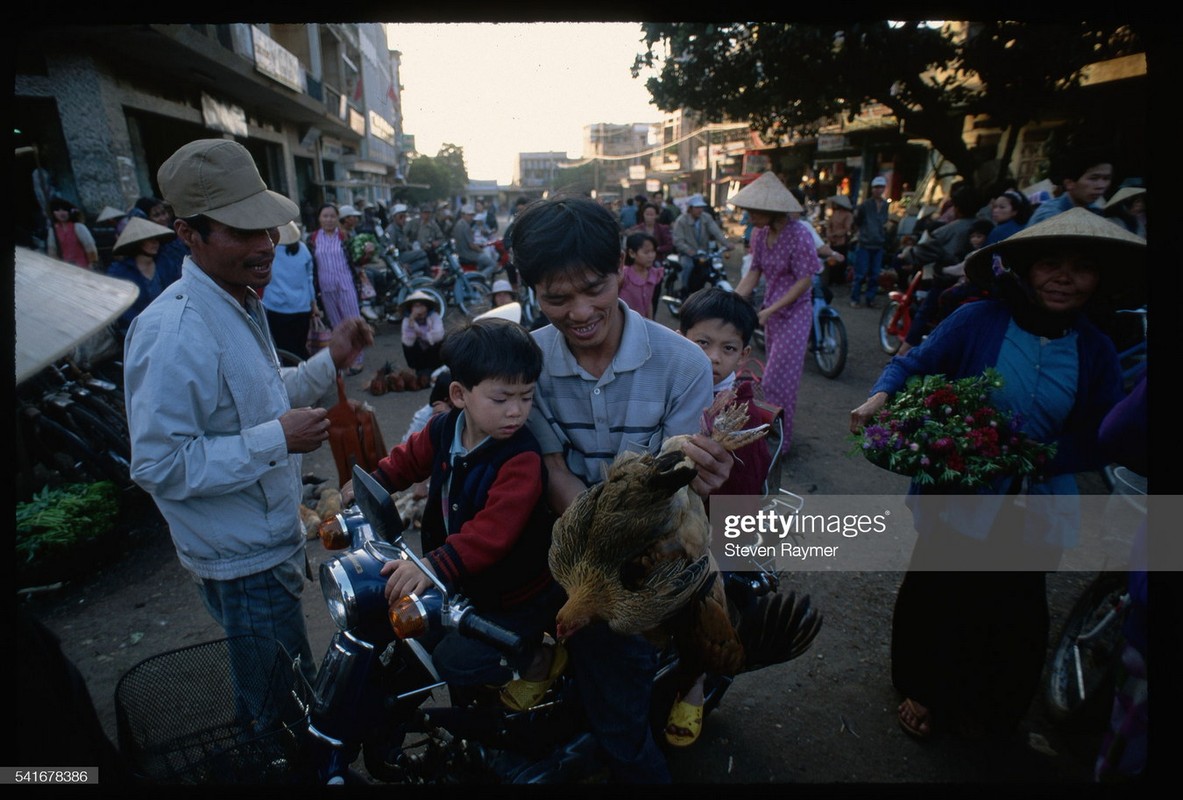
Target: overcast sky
[(497, 89)]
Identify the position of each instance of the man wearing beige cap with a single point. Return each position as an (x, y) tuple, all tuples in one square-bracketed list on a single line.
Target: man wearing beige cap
[(217, 426)]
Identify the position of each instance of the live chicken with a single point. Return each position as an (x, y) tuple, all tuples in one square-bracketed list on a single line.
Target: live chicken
[(634, 551)]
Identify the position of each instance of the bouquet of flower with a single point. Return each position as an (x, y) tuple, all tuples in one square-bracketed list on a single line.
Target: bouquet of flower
[(939, 431)]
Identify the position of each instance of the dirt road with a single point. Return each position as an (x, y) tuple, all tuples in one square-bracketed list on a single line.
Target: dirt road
[(826, 717)]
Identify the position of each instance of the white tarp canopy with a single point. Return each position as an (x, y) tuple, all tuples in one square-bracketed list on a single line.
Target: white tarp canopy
[(59, 306)]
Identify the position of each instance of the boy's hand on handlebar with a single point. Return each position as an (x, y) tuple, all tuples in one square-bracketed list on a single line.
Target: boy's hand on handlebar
[(404, 578), (347, 494)]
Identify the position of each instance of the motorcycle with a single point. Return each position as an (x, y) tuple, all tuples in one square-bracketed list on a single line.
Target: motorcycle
[(707, 270), (374, 697), (398, 284), (827, 336)]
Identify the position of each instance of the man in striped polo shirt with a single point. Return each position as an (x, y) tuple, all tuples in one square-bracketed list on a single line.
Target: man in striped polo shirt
[(611, 381)]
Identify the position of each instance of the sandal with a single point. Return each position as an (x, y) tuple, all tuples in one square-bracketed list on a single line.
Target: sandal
[(684, 724), (919, 726), (521, 694)]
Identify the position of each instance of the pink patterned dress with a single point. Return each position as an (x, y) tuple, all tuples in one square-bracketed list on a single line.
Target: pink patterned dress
[(792, 257)]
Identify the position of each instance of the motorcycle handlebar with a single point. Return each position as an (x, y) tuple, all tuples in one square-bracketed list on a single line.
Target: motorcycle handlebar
[(475, 626)]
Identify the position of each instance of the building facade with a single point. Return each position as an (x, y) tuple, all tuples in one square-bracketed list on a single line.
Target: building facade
[(99, 108)]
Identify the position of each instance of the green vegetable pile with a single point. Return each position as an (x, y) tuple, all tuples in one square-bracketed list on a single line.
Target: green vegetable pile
[(58, 519)]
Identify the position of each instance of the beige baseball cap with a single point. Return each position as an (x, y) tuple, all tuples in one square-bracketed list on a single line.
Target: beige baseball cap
[(218, 178)]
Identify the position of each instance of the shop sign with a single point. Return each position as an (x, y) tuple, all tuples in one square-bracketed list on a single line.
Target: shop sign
[(636, 172), (357, 122), (330, 148), (831, 141), (224, 117), (275, 62), (380, 128)]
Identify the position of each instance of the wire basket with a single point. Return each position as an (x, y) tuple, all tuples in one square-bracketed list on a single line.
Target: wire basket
[(230, 711)]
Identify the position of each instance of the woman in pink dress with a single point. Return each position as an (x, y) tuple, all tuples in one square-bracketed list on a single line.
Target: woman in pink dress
[(335, 278), (785, 255)]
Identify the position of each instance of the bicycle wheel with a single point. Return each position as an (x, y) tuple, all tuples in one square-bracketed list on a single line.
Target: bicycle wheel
[(830, 351), (1068, 697), (888, 340), (476, 298)]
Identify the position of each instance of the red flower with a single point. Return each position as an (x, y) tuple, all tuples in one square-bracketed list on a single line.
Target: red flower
[(955, 462), (941, 397)]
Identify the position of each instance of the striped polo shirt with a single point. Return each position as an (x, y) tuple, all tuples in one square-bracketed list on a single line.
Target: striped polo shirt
[(657, 386)]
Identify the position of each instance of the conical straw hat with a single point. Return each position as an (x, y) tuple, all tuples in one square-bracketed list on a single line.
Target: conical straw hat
[(1120, 254), (289, 233), (766, 193), (138, 230), (510, 311), (109, 213), (60, 307), (1123, 194)]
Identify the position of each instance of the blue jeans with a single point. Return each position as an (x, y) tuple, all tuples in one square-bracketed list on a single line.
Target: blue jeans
[(267, 605), (867, 263), (615, 674)]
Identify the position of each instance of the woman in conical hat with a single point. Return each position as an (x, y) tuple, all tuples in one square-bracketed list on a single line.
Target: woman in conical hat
[(784, 255), (136, 251), (954, 665)]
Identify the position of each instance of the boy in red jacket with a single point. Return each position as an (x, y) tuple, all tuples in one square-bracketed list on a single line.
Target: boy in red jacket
[(486, 526)]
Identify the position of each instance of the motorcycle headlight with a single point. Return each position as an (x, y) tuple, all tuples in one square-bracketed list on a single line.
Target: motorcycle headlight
[(334, 583), (354, 589)]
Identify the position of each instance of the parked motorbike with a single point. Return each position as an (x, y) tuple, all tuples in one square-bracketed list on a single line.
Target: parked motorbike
[(378, 696), (399, 284), (707, 270)]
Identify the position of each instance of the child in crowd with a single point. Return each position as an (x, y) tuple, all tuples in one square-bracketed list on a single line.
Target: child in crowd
[(485, 467), (638, 279), (422, 332), (502, 293), (722, 324)]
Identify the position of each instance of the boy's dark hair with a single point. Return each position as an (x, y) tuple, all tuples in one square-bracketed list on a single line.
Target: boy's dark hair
[(982, 226), (491, 348), (634, 242), (566, 234), (711, 302)]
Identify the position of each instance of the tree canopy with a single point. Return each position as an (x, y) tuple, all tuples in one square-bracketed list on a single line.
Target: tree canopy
[(444, 175), (792, 78)]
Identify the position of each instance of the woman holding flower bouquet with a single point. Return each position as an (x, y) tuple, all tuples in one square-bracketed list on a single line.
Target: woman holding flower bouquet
[(969, 630)]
